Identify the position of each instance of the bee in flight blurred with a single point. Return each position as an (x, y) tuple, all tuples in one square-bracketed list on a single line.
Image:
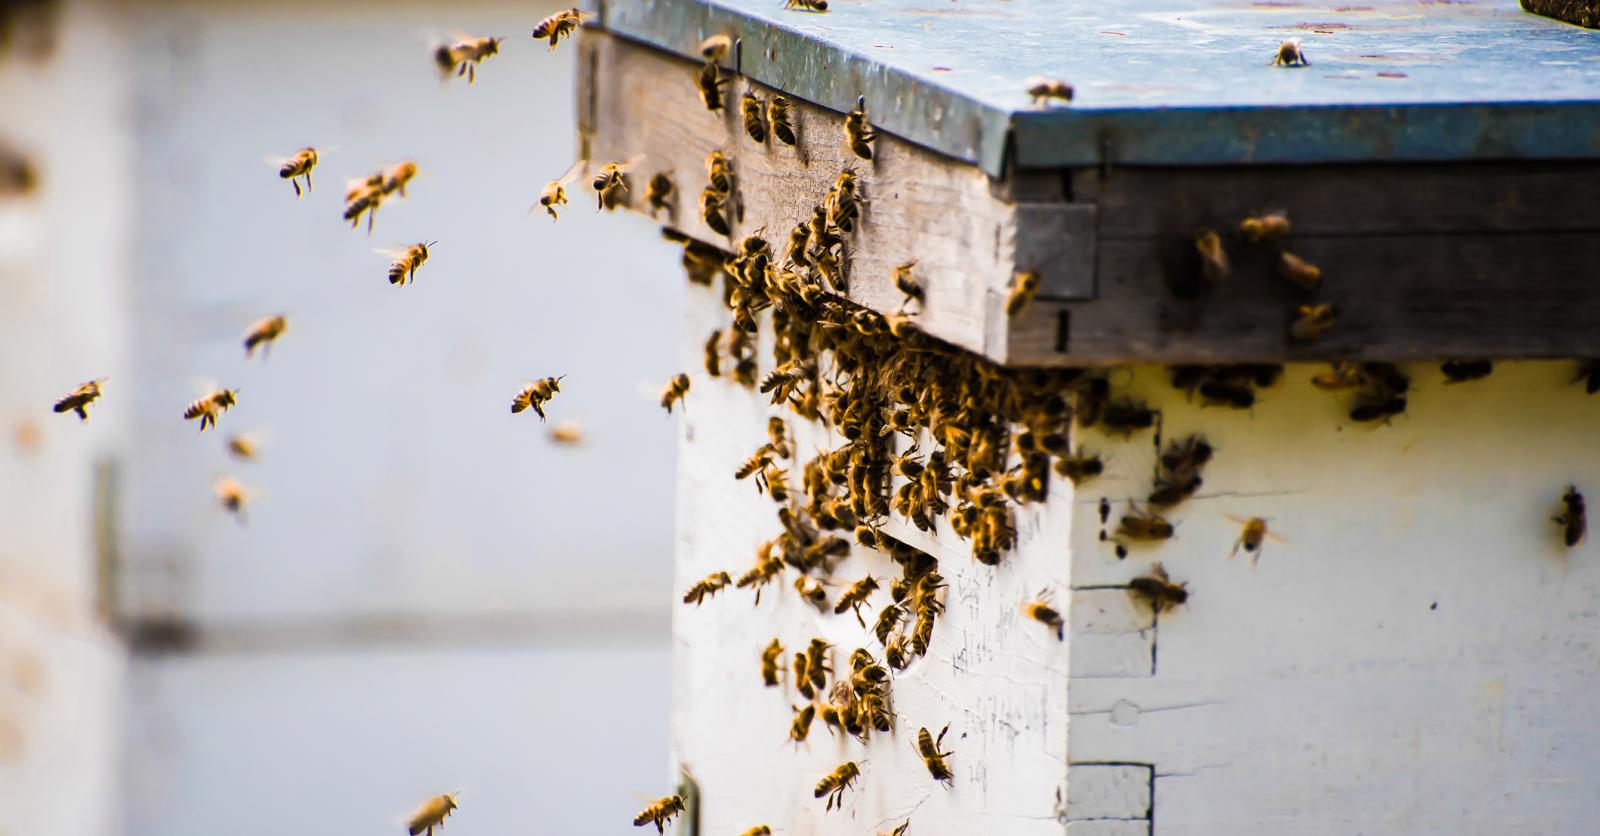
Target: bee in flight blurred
[(463, 56), (403, 269), (555, 191), (232, 495), (534, 395), (209, 407), (80, 398), (560, 25), (430, 814), (295, 167), (364, 196), (262, 333), (243, 446)]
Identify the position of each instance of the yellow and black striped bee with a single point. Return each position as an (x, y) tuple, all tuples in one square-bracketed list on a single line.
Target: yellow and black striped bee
[(780, 116), (707, 587), (660, 812), (262, 333), (534, 395), (559, 25), (755, 116), (806, 5), (430, 814), (1041, 610), (1158, 590), (79, 399), (710, 83), (800, 729), (462, 57), (403, 269), (858, 132), (298, 166), (834, 784), (772, 663), (609, 184), (675, 389), (854, 597), (1045, 90), (932, 756), (555, 191), (1289, 54), (208, 407)]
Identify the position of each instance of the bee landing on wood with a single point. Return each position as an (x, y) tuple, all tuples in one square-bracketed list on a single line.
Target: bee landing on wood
[(1158, 590), (1024, 286), (907, 284), (932, 756), (754, 113), (403, 269), (430, 814), (1573, 519), (297, 166), (560, 25), (858, 132), (79, 399), (710, 83), (781, 118), (1289, 54), (1044, 91)]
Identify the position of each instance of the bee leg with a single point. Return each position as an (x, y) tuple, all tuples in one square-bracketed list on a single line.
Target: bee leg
[(308, 179), (372, 215), (82, 415)]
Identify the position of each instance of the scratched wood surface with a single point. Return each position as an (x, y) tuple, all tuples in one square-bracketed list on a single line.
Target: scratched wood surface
[(998, 680)]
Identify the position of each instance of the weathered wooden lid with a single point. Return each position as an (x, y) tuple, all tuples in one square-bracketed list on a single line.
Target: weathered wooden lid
[(1181, 82)]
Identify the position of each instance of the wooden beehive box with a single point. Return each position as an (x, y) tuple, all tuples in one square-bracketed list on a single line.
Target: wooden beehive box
[(1421, 639)]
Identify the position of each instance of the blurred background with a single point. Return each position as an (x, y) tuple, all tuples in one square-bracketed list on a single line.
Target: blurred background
[(427, 594)]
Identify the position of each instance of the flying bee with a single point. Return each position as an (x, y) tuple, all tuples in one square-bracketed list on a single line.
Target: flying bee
[(1024, 286), (363, 197), (706, 588), (807, 6), (780, 116), (716, 47), (559, 25), (758, 830), (298, 166), (232, 495), (755, 466), (463, 57), (78, 399), (1312, 321), (907, 283), (928, 748), (1266, 227), (754, 111), (534, 395), (1143, 525), (854, 597), (209, 407), (403, 267), (713, 203), (609, 183), (1289, 55), (569, 433), (710, 83), (675, 389), (1574, 521), (1080, 467), (1299, 272), (662, 810), (242, 447), (431, 813), (834, 784), (800, 728), (1041, 610), (771, 663), (1461, 371), (813, 592), (1158, 590), (1214, 264), (555, 191), (858, 132), (1253, 534), (394, 178), (658, 193), (262, 333), (1043, 91)]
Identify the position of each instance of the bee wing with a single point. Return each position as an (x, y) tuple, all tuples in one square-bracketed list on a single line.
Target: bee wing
[(572, 171), (1276, 538), (1238, 520), (203, 386), (391, 252)]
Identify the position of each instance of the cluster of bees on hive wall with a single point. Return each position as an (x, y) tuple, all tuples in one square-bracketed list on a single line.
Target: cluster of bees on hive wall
[(884, 388)]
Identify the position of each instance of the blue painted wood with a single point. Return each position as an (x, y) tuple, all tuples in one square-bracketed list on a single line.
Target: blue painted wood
[(1171, 82)]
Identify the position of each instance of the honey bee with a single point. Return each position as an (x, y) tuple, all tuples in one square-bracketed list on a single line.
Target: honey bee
[(802, 676), (1079, 467), (1343, 375), (394, 178), (1266, 227), (806, 6), (771, 663), (1143, 525), (242, 447), (1377, 406), (710, 83), (713, 354), (754, 112), (431, 813), (555, 191), (208, 407), (1461, 371), (1312, 321), (231, 495), (800, 728), (1289, 55), (1574, 521), (534, 395), (559, 25), (854, 597), (1214, 264), (463, 57), (834, 784), (79, 399), (897, 653), (780, 116), (1253, 534), (658, 193), (932, 756), (758, 830), (675, 389), (1126, 417), (907, 283), (609, 183), (1589, 374), (888, 618), (904, 828), (298, 166), (1299, 272), (1227, 393), (716, 47), (707, 587), (1040, 610), (569, 433), (363, 197), (403, 269), (754, 465), (1158, 590), (813, 592), (1024, 286), (858, 132), (1045, 90), (661, 811), (262, 333), (712, 205)]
